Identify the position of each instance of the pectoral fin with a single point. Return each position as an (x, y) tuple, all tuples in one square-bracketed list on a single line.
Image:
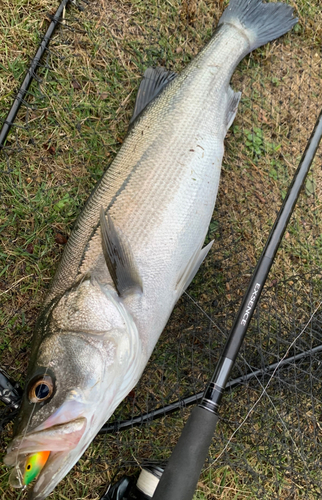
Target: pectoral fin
[(192, 268), (154, 79), (118, 256)]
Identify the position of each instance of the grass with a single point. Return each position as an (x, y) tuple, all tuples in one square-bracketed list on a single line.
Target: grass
[(64, 139)]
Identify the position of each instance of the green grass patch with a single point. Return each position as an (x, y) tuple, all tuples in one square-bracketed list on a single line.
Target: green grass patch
[(64, 139)]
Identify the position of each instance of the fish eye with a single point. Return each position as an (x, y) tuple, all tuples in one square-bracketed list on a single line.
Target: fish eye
[(40, 389)]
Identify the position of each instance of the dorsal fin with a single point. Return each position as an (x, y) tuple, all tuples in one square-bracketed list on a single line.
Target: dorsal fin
[(118, 256), (153, 81)]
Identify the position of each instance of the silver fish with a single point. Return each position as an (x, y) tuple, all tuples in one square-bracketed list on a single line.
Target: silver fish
[(134, 249)]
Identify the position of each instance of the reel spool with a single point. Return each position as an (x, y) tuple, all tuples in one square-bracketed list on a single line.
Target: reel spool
[(143, 489)]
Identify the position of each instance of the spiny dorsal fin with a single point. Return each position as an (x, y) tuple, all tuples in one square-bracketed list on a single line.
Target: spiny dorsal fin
[(118, 256), (154, 79)]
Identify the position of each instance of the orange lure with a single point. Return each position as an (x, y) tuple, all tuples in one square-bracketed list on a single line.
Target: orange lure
[(34, 464)]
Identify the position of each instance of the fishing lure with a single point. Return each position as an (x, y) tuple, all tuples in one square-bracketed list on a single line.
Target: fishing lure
[(34, 464)]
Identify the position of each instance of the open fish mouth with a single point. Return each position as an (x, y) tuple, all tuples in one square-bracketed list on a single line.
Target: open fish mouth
[(61, 440)]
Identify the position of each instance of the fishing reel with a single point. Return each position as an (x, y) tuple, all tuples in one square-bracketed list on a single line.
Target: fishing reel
[(129, 489), (10, 395), (10, 391)]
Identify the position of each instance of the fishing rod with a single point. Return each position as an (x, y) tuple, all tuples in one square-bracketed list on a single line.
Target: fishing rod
[(11, 393), (179, 480), (192, 399), (5, 129)]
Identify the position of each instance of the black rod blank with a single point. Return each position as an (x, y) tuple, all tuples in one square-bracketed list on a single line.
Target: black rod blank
[(215, 388), (181, 474), (30, 74), (192, 399), (10, 394)]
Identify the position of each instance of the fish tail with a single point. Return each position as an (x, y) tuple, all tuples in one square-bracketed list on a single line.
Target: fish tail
[(260, 22)]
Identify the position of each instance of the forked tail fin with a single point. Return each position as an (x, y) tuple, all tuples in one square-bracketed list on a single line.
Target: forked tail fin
[(261, 22)]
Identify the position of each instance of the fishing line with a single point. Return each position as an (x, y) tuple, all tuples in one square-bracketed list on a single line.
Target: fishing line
[(18, 469), (264, 391), (216, 325), (191, 451), (207, 315), (254, 373), (279, 364)]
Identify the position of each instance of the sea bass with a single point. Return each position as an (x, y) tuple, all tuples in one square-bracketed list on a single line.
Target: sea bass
[(134, 249)]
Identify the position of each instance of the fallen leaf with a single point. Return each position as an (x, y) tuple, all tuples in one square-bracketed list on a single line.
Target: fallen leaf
[(76, 85), (51, 149), (30, 248), (60, 239)]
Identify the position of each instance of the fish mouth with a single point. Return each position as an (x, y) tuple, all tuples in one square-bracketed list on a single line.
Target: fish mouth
[(61, 440)]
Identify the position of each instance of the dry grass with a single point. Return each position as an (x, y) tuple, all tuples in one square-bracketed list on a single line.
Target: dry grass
[(76, 121)]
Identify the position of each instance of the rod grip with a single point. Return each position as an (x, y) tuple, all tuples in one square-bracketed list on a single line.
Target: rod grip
[(179, 480)]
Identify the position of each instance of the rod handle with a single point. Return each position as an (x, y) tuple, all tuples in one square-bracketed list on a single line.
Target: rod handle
[(180, 478)]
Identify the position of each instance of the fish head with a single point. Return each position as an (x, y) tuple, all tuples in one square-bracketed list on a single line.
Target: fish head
[(80, 371)]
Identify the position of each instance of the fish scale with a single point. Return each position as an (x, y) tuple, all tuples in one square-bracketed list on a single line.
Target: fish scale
[(168, 130), (134, 249)]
